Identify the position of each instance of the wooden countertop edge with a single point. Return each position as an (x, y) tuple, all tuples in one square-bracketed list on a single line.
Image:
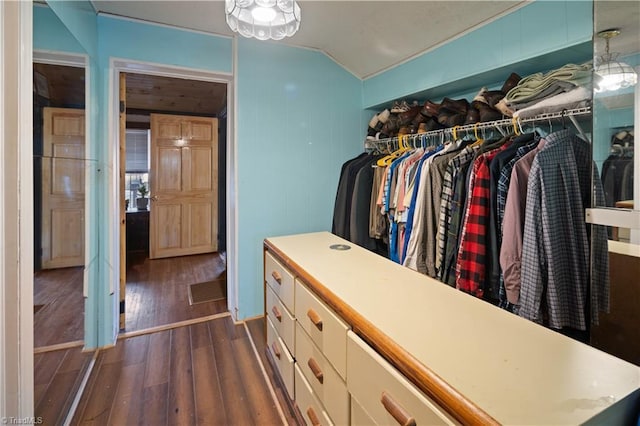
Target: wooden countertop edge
[(456, 404)]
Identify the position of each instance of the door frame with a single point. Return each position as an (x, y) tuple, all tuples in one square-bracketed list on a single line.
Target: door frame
[(116, 66), (16, 205)]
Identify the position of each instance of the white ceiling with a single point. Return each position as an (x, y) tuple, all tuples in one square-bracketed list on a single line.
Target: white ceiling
[(365, 37)]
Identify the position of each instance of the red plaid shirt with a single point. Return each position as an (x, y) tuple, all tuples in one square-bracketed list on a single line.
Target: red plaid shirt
[(471, 263)]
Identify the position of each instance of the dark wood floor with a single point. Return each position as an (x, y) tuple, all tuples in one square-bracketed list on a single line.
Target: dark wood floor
[(57, 378), (201, 374), (61, 318), (157, 290)]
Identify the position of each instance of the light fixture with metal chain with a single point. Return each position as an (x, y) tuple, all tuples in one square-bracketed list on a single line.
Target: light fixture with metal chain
[(614, 74)]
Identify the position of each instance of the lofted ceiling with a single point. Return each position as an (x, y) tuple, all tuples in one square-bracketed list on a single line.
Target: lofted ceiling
[(366, 37)]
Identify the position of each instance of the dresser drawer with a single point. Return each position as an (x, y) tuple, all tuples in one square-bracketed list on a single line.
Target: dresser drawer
[(282, 358), (326, 330), (386, 395), (307, 402), (282, 320), (359, 417), (326, 383), (279, 279)]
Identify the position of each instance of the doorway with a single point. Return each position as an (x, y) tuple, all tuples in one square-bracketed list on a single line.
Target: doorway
[(173, 251), (59, 164)]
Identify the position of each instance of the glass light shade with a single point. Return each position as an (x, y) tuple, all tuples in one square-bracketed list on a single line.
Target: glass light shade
[(263, 19), (615, 75)]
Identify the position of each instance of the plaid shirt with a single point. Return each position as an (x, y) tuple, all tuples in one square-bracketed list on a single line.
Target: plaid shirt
[(555, 253), (447, 271), (503, 187), (471, 263), (450, 175)]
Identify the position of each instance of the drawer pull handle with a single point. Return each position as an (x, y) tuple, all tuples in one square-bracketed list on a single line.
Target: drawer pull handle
[(313, 417), (315, 318), (315, 369), (397, 412), (276, 276), (277, 313), (275, 350)]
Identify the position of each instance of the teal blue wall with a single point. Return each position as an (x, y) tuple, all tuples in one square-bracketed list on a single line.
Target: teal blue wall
[(49, 33), (152, 43), (80, 19), (529, 32), (299, 119)]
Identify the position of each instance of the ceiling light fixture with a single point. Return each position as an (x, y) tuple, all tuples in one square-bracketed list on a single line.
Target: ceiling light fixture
[(263, 19), (615, 74)]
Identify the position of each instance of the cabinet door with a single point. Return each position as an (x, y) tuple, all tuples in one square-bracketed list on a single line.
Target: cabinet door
[(183, 186)]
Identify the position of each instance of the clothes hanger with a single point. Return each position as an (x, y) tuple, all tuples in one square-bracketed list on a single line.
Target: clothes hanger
[(479, 140), (385, 161), (514, 123), (520, 126)]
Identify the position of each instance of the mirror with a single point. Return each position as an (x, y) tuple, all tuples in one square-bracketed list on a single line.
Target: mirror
[(615, 152), (616, 58), (65, 211), (63, 167), (59, 203)]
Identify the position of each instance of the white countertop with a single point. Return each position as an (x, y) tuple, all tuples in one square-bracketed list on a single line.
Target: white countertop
[(516, 371), (626, 249)]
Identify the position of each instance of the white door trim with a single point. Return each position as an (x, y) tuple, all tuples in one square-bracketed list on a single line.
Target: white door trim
[(54, 57), (16, 217), (3, 337), (25, 174), (117, 65)]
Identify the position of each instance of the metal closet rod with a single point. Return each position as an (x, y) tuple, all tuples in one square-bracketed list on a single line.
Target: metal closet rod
[(516, 121)]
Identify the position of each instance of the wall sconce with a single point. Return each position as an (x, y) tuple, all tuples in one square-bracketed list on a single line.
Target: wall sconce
[(614, 74), (263, 19)]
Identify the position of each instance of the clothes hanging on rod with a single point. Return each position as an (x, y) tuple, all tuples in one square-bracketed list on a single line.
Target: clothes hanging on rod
[(617, 169), (352, 203), (453, 211)]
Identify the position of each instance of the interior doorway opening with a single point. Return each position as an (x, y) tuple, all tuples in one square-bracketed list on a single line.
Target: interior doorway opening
[(173, 156)]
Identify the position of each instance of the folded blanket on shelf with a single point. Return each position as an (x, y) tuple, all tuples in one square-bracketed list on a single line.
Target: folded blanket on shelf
[(530, 87), (554, 88), (577, 98)]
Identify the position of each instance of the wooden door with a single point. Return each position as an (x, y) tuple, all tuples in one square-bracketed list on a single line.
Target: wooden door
[(63, 167), (183, 185)]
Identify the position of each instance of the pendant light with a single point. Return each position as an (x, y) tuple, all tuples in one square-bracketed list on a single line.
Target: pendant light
[(614, 74), (263, 19)]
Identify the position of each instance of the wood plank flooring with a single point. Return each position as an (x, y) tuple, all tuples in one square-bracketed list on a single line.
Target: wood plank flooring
[(57, 378), (157, 290), (202, 374), (61, 319)]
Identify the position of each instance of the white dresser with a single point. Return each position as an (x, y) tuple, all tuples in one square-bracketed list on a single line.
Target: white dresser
[(358, 339)]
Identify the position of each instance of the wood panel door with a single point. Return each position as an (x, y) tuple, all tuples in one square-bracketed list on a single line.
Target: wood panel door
[(183, 185), (63, 174)]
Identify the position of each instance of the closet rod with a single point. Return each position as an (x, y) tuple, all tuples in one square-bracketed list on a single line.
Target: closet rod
[(569, 113)]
